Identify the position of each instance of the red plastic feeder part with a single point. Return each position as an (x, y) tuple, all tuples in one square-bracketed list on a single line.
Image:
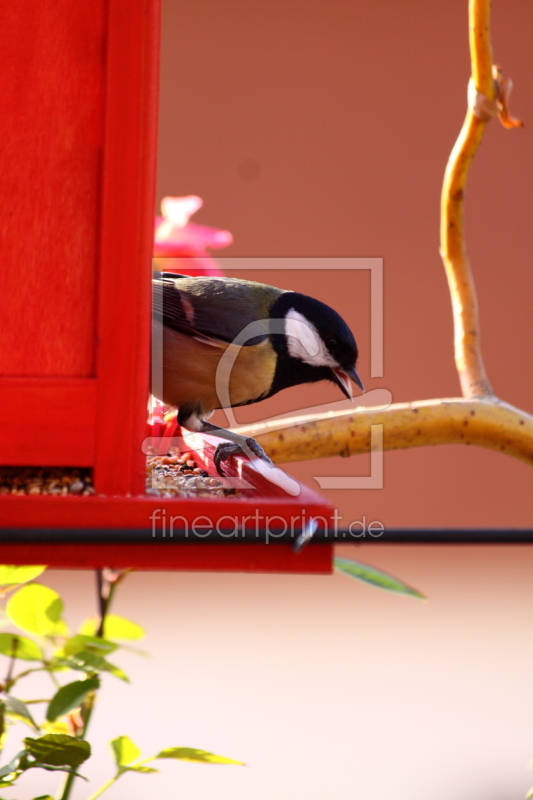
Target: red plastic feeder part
[(183, 246)]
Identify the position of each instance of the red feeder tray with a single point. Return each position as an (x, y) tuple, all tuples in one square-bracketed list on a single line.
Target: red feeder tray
[(147, 532)]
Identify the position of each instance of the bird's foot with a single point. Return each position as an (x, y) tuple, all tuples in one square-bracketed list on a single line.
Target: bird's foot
[(227, 449)]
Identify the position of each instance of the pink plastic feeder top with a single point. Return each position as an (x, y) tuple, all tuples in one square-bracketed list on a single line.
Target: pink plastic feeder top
[(182, 246)]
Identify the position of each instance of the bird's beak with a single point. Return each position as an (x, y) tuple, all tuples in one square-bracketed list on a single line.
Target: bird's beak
[(341, 378)]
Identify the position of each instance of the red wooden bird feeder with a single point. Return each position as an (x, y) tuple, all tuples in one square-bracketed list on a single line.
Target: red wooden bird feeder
[(78, 131)]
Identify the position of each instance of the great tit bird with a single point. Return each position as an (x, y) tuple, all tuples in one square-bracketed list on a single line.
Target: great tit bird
[(221, 342)]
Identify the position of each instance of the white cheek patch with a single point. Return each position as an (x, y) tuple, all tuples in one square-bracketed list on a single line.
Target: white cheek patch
[(302, 336), (304, 342)]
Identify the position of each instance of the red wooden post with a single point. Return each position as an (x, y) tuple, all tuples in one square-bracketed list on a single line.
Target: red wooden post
[(78, 132), (128, 197)]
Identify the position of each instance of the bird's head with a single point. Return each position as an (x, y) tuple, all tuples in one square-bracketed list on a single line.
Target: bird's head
[(316, 343)]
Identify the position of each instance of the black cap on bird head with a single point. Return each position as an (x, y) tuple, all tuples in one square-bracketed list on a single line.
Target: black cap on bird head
[(317, 344)]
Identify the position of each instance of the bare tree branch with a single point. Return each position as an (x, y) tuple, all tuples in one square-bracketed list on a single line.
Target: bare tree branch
[(479, 418), (468, 360), (485, 422)]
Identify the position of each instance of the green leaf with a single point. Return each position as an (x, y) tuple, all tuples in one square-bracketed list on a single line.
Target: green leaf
[(375, 577), (11, 575), (191, 754), (58, 749), (114, 628), (12, 766), (91, 644), (20, 646), (17, 708), (59, 726), (70, 696), (35, 609), (44, 797), (60, 630), (89, 663), (125, 750), (146, 770)]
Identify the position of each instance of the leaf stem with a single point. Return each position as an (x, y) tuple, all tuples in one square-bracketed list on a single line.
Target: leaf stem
[(30, 702), (103, 788), (13, 681), (52, 676)]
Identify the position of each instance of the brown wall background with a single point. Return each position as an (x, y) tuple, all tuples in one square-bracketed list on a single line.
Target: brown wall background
[(323, 129)]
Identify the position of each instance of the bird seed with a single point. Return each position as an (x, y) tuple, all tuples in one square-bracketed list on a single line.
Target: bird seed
[(55, 481), (177, 475)]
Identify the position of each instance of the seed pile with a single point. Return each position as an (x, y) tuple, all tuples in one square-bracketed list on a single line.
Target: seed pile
[(172, 475), (176, 475), (45, 480)]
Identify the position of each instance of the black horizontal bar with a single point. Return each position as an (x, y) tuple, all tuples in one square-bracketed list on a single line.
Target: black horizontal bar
[(387, 536)]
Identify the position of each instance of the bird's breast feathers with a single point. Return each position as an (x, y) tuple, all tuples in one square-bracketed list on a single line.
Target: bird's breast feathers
[(196, 374)]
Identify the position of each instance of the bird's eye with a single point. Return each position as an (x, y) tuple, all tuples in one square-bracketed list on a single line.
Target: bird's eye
[(332, 343)]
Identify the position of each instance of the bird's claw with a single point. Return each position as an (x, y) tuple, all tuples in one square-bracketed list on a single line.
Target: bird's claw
[(227, 449)]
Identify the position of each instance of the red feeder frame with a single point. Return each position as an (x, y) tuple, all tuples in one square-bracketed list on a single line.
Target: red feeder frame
[(79, 142)]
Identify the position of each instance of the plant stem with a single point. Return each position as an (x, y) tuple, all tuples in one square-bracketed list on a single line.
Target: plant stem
[(30, 702), (106, 590), (102, 789), (8, 682), (13, 681), (102, 601), (70, 777), (9, 677), (104, 595), (51, 673)]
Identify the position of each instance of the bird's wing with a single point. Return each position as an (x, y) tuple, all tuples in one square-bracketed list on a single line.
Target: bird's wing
[(213, 310)]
